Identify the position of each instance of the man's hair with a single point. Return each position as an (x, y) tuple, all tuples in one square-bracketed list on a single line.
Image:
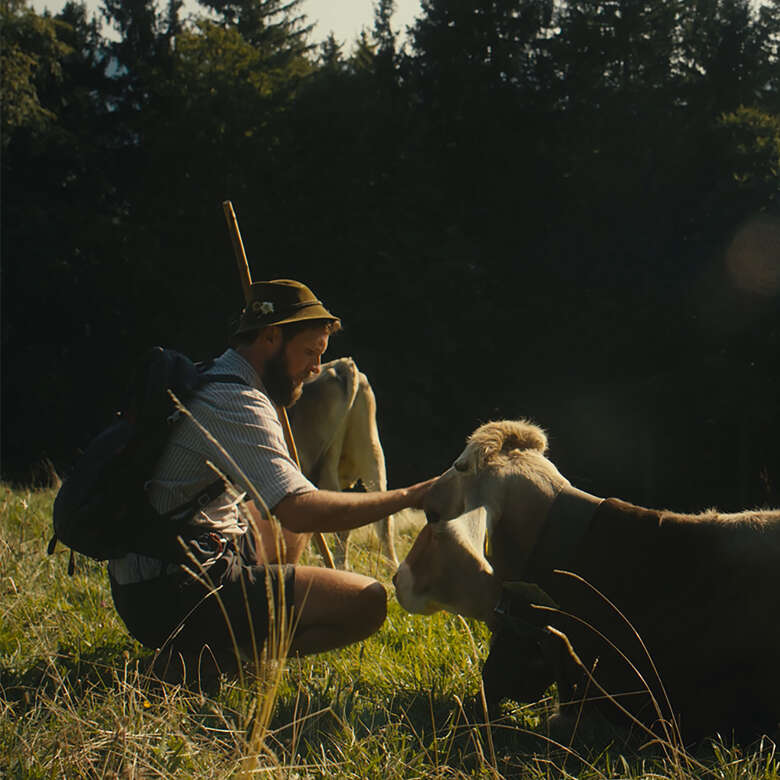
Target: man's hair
[(289, 331)]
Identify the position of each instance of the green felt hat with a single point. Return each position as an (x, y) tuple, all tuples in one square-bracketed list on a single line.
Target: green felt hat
[(278, 302)]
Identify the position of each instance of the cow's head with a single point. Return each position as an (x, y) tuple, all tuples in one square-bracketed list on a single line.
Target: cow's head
[(499, 488)]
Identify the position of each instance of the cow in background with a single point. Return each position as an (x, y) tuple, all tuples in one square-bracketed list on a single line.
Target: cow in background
[(655, 619), (335, 431)]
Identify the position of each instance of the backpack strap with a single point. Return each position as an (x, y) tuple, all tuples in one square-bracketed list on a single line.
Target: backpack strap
[(207, 379), (184, 512), (177, 521), (224, 378), (157, 535)]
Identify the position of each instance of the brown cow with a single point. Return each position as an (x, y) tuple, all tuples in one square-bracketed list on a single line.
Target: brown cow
[(673, 620), (335, 430)]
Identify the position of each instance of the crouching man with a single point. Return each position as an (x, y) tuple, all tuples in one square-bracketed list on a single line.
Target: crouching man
[(282, 335)]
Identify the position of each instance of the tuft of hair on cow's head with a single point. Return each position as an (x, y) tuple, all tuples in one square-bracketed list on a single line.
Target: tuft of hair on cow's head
[(495, 443)]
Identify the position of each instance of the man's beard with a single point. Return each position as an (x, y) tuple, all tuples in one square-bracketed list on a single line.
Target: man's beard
[(282, 389)]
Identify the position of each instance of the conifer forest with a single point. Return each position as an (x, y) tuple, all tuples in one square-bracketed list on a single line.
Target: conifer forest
[(563, 210)]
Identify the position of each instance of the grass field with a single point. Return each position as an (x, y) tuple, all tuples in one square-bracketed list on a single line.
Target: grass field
[(76, 699)]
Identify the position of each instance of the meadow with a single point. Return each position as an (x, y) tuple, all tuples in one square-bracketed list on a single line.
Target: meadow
[(77, 699)]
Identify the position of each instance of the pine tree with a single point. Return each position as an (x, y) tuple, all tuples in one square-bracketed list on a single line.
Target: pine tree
[(768, 27), (385, 38), (276, 28), (458, 43), (30, 58), (331, 56), (721, 55)]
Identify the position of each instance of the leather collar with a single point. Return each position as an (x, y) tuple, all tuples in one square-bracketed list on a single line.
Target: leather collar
[(567, 523)]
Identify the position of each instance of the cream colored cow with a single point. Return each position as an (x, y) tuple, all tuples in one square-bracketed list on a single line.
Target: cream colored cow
[(335, 430), (674, 619)]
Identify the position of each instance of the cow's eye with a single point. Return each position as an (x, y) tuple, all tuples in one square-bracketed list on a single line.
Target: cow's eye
[(431, 516), (461, 465)]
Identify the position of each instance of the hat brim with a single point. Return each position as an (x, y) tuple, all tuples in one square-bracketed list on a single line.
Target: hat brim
[(315, 311)]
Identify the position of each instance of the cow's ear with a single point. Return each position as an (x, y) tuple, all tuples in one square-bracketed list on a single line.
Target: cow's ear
[(501, 440), (491, 521), (465, 462), (524, 436)]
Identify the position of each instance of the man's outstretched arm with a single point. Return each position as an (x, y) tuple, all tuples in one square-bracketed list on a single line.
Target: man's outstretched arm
[(327, 510)]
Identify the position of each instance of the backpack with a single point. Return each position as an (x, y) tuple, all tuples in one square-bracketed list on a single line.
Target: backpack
[(102, 509)]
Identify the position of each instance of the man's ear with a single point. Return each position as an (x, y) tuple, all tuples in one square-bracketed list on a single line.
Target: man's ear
[(272, 335), (267, 342)]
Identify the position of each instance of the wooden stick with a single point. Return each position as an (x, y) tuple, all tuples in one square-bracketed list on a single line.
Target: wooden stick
[(319, 539), (238, 248), (246, 283)]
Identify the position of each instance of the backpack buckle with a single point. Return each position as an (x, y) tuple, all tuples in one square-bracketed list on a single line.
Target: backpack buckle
[(219, 542)]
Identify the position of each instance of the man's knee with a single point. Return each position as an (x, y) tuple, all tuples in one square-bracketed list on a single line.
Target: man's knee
[(374, 608), (352, 604)]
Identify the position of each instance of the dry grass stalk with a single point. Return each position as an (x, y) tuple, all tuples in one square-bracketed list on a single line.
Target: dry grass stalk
[(269, 662), (684, 764)]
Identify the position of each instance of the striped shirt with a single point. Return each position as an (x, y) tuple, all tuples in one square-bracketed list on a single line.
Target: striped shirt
[(250, 450)]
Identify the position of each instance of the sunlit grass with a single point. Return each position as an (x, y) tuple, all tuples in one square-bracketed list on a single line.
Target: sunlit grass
[(76, 699)]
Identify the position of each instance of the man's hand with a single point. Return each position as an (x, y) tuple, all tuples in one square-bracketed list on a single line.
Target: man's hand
[(419, 491), (327, 510)]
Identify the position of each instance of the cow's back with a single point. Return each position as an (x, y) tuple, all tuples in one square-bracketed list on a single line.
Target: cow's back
[(335, 429), (319, 419), (362, 456), (703, 594)]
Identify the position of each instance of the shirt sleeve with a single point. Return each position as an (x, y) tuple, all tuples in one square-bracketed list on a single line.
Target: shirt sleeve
[(249, 445)]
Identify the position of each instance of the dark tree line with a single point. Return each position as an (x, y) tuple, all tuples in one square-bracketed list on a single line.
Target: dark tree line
[(561, 210)]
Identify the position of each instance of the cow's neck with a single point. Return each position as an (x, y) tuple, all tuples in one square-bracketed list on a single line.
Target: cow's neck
[(566, 524), (487, 594)]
